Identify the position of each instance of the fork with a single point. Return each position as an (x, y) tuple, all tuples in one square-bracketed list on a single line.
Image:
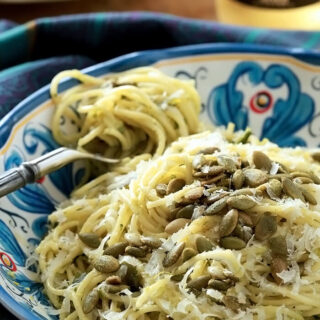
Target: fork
[(31, 171)]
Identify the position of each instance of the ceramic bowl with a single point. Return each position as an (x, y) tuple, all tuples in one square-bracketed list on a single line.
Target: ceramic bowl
[(274, 91)]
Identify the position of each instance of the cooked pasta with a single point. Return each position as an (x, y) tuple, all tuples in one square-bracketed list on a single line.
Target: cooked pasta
[(221, 226)]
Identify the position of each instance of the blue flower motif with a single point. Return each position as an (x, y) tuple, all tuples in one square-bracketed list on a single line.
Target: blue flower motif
[(286, 114)]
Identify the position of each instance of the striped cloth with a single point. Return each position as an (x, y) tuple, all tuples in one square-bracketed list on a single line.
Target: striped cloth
[(31, 54)]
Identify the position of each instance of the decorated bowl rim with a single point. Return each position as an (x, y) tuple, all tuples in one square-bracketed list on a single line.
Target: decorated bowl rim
[(124, 62)]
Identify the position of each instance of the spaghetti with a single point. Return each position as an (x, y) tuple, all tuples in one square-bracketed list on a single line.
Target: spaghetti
[(220, 226)]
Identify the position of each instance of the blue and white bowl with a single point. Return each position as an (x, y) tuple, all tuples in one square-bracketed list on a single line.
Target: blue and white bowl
[(274, 91)]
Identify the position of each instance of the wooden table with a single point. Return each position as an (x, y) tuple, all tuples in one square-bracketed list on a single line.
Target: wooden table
[(202, 9)]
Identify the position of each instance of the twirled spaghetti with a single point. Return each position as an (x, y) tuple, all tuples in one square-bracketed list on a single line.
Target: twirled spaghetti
[(211, 229)]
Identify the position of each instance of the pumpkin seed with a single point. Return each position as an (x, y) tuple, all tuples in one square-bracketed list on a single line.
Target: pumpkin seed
[(116, 250), (209, 150), (227, 162), (231, 303), (219, 285), (316, 156), (152, 242), (90, 301), (238, 231), (308, 195), (280, 176), (203, 244), (175, 185), (266, 227), (90, 239), (185, 212), (246, 233), (245, 219), (303, 258), (228, 222), (175, 225), (209, 171), (255, 177), (135, 252), (232, 243), (274, 188), (173, 255), (115, 280), (291, 189), (110, 288), (282, 168), (216, 196), (106, 264), (161, 189), (199, 283), (245, 163), (244, 191), (278, 246), (238, 179), (241, 202), (188, 253), (296, 174), (177, 277), (261, 161), (303, 180), (213, 180), (194, 194), (278, 265), (130, 275), (216, 207), (314, 177)]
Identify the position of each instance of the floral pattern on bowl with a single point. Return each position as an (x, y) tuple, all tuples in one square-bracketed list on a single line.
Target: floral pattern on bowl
[(274, 91)]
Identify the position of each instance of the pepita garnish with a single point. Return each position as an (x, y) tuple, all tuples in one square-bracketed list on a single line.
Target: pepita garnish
[(110, 288), (203, 244), (216, 196), (130, 275), (308, 195), (266, 227), (185, 212), (228, 222), (274, 188), (199, 283), (209, 150), (161, 189), (209, 171), (175, 225), (227, 162), (232, 303), (188, 253), (216, 207), (173, 255), (241, 202), (106, 264), (177, 277), (116, 249), (114, 280), (90, 301), (238, 179), (278, 246), (303, 180), (219, 285), (314, 177), (261, 161), (291, 189), (135, 252), (245, 219), (175, 185), (194, 194), (90, 239), (316, 156), (255, 177), (232, 243), (152, 242), (278, 264)]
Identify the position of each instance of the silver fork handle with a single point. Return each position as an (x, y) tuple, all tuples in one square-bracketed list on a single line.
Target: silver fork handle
[(31, 171)]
